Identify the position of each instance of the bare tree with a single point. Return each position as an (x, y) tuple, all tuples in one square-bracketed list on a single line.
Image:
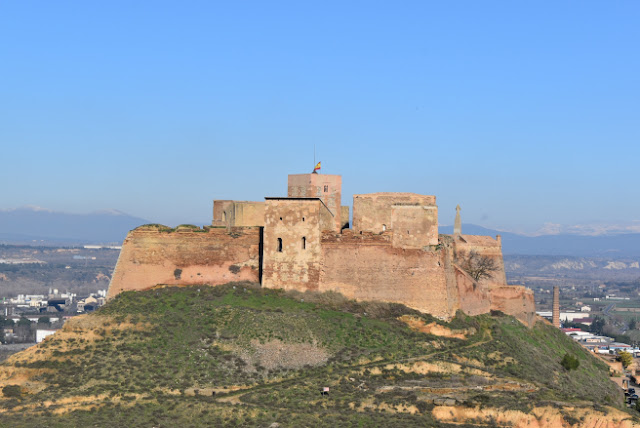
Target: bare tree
[(478, 266)]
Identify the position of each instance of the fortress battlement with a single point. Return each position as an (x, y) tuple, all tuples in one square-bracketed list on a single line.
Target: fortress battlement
[(304, 241), (349, 236)]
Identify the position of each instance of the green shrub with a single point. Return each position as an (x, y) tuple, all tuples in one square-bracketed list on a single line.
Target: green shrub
[(570, 362), (12, 391)]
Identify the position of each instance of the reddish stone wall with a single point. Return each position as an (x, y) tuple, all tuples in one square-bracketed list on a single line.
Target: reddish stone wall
[(474, 298), (514, 300), (150, 257), (485, 246), (368, 267)]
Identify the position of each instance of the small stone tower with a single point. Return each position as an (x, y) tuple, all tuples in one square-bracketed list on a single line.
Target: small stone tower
[(326, 187), (555, 314), (457, 224)]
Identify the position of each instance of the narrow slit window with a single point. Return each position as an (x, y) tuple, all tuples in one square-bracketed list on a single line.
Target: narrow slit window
[(304, 243), (326, 188), (384, 227), (279, 245)]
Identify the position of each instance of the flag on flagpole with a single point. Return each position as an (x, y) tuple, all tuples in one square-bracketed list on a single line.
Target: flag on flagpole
[(317, 167)]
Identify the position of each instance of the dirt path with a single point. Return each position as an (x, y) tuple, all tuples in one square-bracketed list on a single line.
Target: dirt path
[(235, 397)]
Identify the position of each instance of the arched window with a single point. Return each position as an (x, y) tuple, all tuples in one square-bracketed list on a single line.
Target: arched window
[(384, 227), (279, 245), (304, 243), (224, 216)]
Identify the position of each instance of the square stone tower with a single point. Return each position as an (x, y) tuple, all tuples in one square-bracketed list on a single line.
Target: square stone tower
[(326, 187), (292, 251)]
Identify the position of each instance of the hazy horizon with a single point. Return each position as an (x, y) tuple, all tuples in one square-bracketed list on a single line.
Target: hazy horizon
[(524, 114)]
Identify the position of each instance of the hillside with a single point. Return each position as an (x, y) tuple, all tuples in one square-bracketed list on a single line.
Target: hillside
[(239, 355)]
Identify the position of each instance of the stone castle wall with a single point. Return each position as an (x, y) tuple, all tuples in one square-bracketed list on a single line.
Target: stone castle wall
[(414, 226), (292, 242), (150, 257), (369, 267), (323, 186), (393, 253), (514, 300), (237, 213), (372, 212), (485, 246), (473, 298)]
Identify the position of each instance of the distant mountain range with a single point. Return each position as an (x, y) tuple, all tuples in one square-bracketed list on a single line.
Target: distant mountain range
[(29, 224), (608, 246), (38, 225)]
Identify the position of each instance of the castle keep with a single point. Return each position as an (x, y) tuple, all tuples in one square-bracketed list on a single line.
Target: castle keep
[(392, 253)]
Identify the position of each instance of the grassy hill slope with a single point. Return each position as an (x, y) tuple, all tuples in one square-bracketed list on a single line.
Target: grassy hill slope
[(239, 355)]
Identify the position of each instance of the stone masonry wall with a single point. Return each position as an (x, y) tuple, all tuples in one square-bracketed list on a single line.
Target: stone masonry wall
[(372, 212), (474, 298), (344, 217), (368, 267), (295, 265), (484, 246), (150, 257), (323, 186), (238, 213), (247, 214), (414, 226), (514, 300)]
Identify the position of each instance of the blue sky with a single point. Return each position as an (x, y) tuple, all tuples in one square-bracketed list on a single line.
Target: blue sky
[(523, 114)]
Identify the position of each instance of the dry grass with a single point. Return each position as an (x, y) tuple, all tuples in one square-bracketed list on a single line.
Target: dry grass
[(434, 328)]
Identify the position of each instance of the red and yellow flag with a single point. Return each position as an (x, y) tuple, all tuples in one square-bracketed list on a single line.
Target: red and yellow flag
[(317, 167)]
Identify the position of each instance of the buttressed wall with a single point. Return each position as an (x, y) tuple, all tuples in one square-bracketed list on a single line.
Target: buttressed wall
[(151, 256)]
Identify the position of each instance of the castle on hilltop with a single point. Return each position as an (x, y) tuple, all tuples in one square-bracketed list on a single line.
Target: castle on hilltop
[(393, 251)]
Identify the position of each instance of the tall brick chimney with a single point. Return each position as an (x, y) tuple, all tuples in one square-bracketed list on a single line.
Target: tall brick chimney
[(556, 307)]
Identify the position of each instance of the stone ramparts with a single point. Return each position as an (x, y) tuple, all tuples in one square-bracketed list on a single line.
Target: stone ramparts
[(152, 256)]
